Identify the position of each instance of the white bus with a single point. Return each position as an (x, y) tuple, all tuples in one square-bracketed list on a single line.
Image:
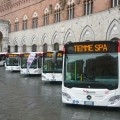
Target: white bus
[(91, 73), (35, 67), (2, 58), (50, 71), (13, 61)]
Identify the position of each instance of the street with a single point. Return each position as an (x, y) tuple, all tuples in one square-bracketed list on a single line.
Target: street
[(29, 98)]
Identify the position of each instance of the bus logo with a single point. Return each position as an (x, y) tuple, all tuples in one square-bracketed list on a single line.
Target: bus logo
[(89, 92), (89, 97)]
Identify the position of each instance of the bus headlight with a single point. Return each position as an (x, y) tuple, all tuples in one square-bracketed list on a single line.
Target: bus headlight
[(18, 68), (67, 96), (43, 77), (114, 99)]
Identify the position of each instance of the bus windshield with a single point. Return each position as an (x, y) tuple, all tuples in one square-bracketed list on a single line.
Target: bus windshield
[(12, 61), (24, 62), (93, 70), (49, 66), (34, 64), (2, 57)]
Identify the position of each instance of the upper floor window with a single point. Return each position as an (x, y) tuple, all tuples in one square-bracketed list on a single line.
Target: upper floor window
[(115, 3), (70, 10), (35, 22), (57, 15), (16, 26), (24, 24), (46, 16), (46, 19), (88, 7)]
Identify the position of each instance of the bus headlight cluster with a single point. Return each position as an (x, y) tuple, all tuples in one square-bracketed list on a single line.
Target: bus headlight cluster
[(43, 77), (114, 99), (67, 96), (18, 68)]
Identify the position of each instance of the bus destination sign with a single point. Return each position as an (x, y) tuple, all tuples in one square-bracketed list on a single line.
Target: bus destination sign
[(92, 47), (50, 54), (12, 55), (26, 55)]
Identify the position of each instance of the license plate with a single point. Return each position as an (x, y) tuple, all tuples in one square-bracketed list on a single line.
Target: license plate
[(88, 103), (53, 79)]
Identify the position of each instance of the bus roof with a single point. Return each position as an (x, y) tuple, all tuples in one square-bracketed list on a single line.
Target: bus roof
[(1, 53), (15, 53)]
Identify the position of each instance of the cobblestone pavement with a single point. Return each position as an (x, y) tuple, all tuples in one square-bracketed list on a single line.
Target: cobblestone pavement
[(29, 98)]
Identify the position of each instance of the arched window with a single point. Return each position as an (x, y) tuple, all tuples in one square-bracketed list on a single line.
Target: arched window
[(24, 48), (9, 26), (45, 47), (57, 13), (35, 20), (16, 27), (56, 46), (1, 37), (24, 24), (46, 16), (8, 49), (70, 10), (115, 3), (88, 7), (16, 48), (115, 39), (34, 48)]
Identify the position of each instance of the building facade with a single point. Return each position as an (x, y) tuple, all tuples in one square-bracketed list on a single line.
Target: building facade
[(46, 25), (4, 38)]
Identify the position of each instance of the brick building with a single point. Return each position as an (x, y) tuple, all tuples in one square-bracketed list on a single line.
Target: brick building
[(46, 25)]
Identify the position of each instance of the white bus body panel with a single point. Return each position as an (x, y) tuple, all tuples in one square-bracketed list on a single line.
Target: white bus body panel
[(32, 71), (51, 77), (2, 63), (12, 68), (99, 97)]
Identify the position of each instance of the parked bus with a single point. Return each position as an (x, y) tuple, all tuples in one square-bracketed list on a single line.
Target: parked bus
[(13, 61), (2, 58), (91, 73), (50, 71), (35, 67)]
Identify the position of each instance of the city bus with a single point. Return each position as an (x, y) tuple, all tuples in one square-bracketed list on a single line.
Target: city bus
[(35, 67), (13, 61), (91, 73), (2, 58), (51, 71)]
